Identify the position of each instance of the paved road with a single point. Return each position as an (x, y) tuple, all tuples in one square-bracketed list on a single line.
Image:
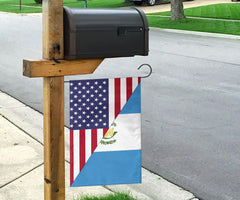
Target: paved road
[(190, 104)]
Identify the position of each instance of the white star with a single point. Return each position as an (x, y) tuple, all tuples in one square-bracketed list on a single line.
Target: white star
[(79, 83), (96, 91), (88, 116), (71, 109), (75, 113), (71, 84), (75, 96), (100, 111), (75, 104), (88, 108), (104, 115), (84, 104), (84, 96), (88, 100), (71, 125), (79, 108), (92, 104), (96, 108), (83, 87), (100, 120), (84, 121), (80, 117), (92, 95), (100, 86), (104, 90), (88, 91), (79, 100), (104, 124), (79, 92), (96, 99), (104, 99), (95, 82), (96, 124), (75, 121), (75, 88), (71, 92), (100, 95), (104, 107), (104, 82), (92, 112), (96, 116), (88, 83), (79, 125), (84, 112), (71, 100), (92, 87), (88, 125), (71, 117), (100, 103), (92, 120)]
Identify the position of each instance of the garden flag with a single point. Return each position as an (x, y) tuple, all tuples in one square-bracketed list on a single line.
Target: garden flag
[(105, 131)]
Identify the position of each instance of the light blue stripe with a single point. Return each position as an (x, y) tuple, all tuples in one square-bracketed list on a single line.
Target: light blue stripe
[(109, 168), (133, 104)]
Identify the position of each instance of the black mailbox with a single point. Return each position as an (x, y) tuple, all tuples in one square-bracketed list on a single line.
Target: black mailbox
[(102, 33)]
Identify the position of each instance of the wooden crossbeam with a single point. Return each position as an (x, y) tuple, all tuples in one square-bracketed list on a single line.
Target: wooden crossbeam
[(48, 68)]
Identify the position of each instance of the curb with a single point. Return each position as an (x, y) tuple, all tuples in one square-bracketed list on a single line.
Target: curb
[(197, 33)]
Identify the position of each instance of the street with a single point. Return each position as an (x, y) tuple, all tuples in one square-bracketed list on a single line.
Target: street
[(190, 103)]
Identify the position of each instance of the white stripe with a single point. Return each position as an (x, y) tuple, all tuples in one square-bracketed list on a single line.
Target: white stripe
[(111, 102), (99, 135), (88, 144), (134, 84), (76, 153), (123, 90)]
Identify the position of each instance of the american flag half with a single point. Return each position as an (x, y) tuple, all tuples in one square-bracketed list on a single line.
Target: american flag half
[(94, 106)]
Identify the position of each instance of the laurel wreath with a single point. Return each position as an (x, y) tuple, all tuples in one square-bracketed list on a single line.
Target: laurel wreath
[(107, 142)]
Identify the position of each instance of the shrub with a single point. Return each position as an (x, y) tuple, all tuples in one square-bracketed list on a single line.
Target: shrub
[(38, 1)]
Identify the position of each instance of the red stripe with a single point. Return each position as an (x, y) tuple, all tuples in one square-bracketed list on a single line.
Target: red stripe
[(82, 148), (71, 157), (129, 88), (117, 88), (105, 131), (139, 80), (94, 139)]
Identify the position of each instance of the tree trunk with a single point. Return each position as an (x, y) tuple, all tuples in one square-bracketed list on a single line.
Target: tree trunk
[(177, 11)]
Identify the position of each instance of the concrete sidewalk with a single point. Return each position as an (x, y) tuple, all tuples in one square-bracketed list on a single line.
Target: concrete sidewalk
[(21, 161)]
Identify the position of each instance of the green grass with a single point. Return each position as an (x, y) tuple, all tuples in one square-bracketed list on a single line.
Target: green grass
[(212, 26), (13, 5), (115, 196), (218, 11)]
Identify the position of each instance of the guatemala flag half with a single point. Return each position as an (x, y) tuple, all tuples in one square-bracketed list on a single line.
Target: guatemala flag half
[(105, 131)]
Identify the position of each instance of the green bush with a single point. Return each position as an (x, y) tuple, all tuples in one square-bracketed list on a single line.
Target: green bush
[(38, 1)]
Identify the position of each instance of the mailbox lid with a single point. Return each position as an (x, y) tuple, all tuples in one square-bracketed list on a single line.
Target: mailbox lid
[(95, 18)]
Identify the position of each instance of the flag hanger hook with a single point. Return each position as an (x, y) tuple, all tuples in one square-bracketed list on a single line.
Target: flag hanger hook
[(150, 72)]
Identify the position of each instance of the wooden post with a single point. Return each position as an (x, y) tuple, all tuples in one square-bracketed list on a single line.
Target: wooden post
[(53, 90)]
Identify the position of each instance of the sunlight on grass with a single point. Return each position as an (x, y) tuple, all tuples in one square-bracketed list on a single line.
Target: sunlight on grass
[(115, 196)]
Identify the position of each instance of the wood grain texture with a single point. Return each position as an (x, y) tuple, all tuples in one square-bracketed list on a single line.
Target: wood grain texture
[(54, 156), (53, 29), (53, 91), (48, 68)]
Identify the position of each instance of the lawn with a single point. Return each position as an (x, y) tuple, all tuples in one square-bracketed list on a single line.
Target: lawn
[(13, 5), (115, 196), (218, 11), (212, 26)]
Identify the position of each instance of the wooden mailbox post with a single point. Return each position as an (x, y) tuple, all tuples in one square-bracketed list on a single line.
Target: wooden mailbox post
[(53, 89)]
